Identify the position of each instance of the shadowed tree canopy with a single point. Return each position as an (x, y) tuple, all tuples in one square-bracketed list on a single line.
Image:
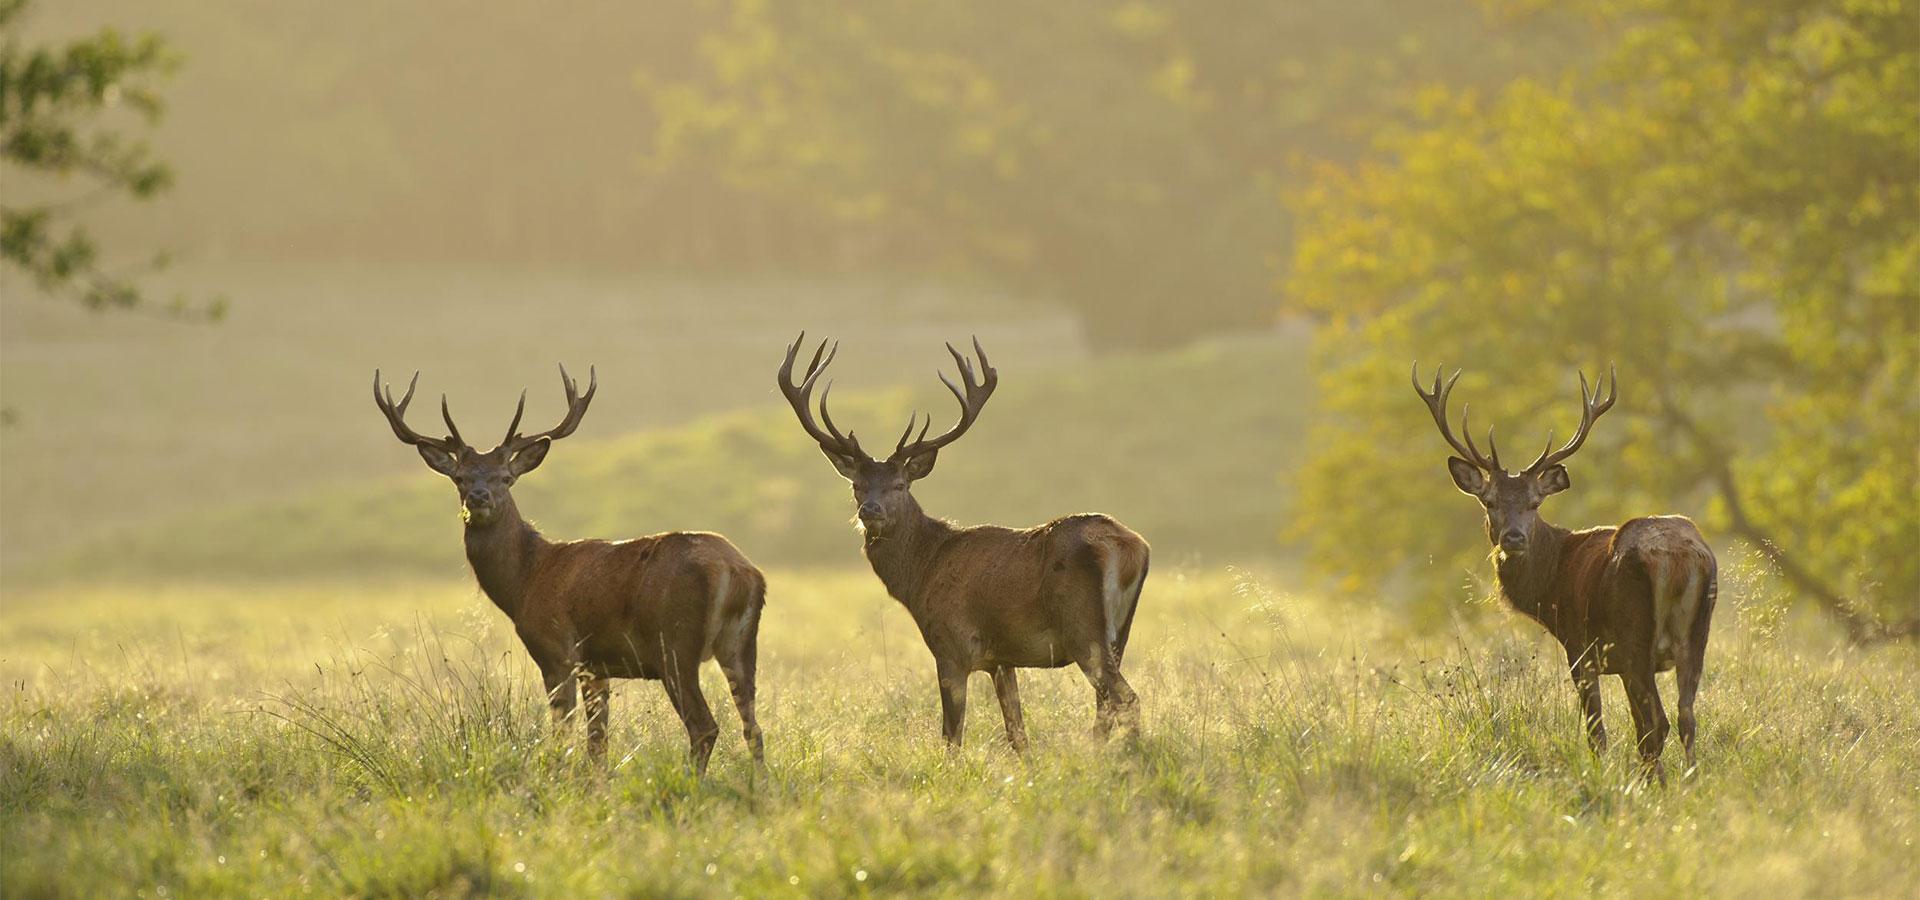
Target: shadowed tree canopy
[(1125, 159), (68, 116), (1726, 206)]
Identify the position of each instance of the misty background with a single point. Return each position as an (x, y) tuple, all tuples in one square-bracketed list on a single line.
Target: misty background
[(1203, 243)]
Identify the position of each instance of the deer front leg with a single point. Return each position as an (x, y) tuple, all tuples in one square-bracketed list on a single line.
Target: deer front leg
[(562, 695), (597, 694), (1586, 681), (1008, 688), (953, 702)]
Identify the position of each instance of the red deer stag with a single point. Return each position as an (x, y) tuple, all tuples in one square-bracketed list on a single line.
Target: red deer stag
[(1627, 601), (986, 598), (587, 611)]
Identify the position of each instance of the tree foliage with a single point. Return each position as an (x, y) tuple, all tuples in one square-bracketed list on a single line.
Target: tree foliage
[(1725, 203), (64, 116), (1125, 158)]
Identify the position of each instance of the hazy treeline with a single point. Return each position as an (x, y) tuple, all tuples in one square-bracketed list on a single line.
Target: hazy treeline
[(1724, 205), (1127, 159), (1718, 198)]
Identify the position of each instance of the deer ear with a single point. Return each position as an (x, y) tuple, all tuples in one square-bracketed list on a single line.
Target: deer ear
[(530, 458), (1467, 476), (921, 466), (1552, 481), (437, 459), (847, 466)]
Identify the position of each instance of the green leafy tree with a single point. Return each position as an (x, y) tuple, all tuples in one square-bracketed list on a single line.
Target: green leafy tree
[(64, 114), (1120, 157), (1726, 204)]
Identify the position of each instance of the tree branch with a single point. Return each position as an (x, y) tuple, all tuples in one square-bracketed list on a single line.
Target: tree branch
[(1862, 626)]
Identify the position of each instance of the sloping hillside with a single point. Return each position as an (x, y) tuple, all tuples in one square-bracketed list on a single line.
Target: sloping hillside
[(1187, 447)]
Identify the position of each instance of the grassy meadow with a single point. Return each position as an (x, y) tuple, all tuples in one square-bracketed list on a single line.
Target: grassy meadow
[(240, 653), (387, 739)]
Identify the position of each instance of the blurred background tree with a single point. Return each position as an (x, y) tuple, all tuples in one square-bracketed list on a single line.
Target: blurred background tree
[(1725, 203), (1125, 159), (67, 116)]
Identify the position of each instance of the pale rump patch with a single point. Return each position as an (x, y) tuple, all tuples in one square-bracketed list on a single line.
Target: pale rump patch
[(716, 608), (1117, 598), (1678, 564)]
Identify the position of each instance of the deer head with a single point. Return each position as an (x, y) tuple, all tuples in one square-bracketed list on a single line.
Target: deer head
[(1512, 500), (881, 487), (484, 479)]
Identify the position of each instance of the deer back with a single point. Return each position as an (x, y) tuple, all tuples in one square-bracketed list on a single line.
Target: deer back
[(628, 608)]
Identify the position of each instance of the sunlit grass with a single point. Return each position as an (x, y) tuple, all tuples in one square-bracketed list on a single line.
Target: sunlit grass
[(388, 739)]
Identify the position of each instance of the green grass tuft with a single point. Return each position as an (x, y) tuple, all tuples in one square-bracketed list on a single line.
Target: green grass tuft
[(354, 738)]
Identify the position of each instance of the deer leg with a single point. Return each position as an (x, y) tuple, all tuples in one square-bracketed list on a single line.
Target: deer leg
[(1649, 719), (738, 663), (596, 693), (561, 695), (1095, 668), (953, 703), (1691, 663), (682, 682), (1008, 688), (1124, 703), (1586, 681), (1686, 673), (739, 672)]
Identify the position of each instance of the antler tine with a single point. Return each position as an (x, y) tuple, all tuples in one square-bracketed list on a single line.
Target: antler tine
[(926, 424), (576, 411), (979, 387), (826, 416), (1436, 400), (800, 397), (396, 414), (513, 427), (447, 416), (1592, 407)]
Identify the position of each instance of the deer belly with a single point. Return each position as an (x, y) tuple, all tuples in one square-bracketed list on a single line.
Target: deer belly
[(1034, 650)]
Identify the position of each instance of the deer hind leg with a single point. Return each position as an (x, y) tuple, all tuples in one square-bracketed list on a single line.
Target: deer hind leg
[(1125, 704), (1007, 687), (1649, 718), (737, 660), (1114, 699), (1691, 663), (1094, 666), (597, 694), (682, 681)]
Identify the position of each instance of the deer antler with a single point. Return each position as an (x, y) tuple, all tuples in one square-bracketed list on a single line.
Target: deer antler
[(576, 410), (1436, 400), (800, 397), (975, 397), (396, 414), (1591, 408)]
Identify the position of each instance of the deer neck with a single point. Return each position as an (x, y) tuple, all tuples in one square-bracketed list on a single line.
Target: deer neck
[(502, 554), (1531, 581), (904, 553)]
